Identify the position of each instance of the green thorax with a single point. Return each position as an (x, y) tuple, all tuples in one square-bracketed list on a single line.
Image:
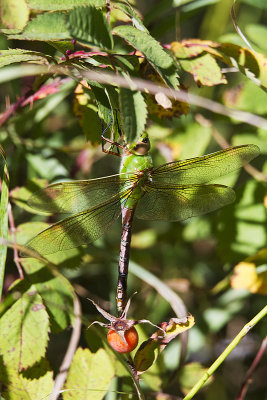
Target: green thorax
[(135, 165)]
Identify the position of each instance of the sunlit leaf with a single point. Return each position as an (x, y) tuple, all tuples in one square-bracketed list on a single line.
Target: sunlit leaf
[(57, 5), (12, 56), (247, 276), (24, 331), (49, 26), (90, 374), (203, 67), (153, 52), (36, 383), (56, 293), (14, 14), (89, 26)]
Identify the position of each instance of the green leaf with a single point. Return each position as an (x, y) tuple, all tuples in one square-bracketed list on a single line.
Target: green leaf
[(89, 26), (152, 50), (241, 227), (46, 168), (128, 10), (190, 374), (14, 14), (256, 33), (19, 55), (36, 383), (90, 374), (57, 5), (133, 113), (203, 67), (3, 214), (49, 26), (146, 355), (56, 293), (24, 331), (21, 195), (256, 3), (243, 98)]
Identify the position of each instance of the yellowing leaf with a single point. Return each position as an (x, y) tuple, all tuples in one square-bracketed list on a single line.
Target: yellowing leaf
[(246, 277), (201, 65)]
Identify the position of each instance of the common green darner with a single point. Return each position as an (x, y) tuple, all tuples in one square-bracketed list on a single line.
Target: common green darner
[(171, 192)]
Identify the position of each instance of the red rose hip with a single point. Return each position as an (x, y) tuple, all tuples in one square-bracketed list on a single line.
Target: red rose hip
[(117, 342)]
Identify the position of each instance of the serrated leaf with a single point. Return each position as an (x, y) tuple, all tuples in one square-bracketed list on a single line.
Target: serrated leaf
[(19, 55), (90, 374), (57, 5), (128, 10), (152, 50), (14, 14), (133, 113), (3, 213), (37, 383), (202, 66), (48, 26), (56, 293), (89, 26), (24, 331)]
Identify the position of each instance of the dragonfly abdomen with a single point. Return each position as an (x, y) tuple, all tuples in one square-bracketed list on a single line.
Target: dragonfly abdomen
[(127, 218)]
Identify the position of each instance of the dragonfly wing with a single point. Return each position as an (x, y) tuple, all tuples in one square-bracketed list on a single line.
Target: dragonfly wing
[(206, 168), (179, 202), (76, 196), (82, 228)]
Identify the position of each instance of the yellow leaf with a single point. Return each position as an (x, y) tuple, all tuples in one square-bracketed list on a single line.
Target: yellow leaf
[(247, 277)]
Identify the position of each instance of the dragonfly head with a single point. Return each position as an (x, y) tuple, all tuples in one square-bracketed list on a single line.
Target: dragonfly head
[(141, 146)]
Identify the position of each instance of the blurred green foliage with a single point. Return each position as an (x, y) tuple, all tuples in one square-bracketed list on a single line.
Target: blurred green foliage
[(55, 135)]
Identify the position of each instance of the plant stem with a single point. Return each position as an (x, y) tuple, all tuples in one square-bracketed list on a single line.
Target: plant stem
[(248, 376), (225, 353)]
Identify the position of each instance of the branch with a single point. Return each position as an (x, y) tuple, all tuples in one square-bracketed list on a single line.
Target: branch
[(66, 363), (226, 353), (10, 73), (251, 370)]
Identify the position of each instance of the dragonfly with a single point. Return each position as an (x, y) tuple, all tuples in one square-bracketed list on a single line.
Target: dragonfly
[(174, 191)]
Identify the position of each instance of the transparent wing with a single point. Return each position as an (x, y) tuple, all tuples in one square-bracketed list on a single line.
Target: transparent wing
[(82, 228), (207, 168), (74, 197), (179, 202)]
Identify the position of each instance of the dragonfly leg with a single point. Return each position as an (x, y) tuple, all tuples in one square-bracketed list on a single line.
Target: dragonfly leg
[(127, 217), (106, 140)]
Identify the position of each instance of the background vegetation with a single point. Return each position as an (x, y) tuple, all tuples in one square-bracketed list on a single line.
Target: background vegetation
[(50, 132)]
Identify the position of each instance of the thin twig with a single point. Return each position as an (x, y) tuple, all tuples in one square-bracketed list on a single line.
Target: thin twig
[(251, 370), (13, 235), (226, 353), (74, 340), (137, 84)]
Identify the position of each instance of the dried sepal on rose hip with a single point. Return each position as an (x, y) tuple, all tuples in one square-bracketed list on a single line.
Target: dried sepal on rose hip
[(122, 335)]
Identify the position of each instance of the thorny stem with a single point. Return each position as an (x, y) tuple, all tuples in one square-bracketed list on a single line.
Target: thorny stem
[(248, 376), (13, 234), (135, 377), (226, 353)]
